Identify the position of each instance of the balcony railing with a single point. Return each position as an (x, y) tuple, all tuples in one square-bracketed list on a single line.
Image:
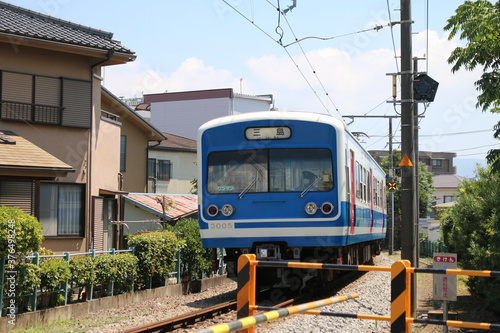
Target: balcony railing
[(35, 113)]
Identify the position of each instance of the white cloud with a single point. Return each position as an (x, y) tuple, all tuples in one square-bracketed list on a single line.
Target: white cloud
[(134, 79)]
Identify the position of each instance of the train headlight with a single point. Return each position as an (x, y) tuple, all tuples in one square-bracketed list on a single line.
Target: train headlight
[(212, 210), (311, 208), (327, 208), (227, 210)]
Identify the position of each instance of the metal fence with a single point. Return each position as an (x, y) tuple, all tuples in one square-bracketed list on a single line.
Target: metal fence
[(428, 248), (65, 287)]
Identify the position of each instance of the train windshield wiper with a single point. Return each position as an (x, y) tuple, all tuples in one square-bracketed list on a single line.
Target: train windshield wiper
[(301, 195), (255, 179)]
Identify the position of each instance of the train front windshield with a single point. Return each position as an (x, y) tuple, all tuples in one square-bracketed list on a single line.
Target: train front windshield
[(270, 170)]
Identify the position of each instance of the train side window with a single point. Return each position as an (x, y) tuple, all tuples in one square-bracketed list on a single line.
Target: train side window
[(358, 180)]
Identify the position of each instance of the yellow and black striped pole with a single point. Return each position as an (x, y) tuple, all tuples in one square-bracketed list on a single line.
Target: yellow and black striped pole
[(245, 303), (399, 296), (244, 324)]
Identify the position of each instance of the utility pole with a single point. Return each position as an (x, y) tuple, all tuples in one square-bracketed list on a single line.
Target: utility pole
[(407, 141), (391, 179), (416, 165)]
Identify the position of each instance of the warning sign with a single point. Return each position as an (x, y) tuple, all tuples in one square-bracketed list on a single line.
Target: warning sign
[(445, 286), (406, 161)]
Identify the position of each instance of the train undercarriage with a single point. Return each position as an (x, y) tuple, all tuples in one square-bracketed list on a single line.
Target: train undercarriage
[(295, 278)]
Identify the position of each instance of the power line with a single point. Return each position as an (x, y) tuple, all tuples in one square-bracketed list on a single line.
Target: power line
[(392, 36), (308, 61)]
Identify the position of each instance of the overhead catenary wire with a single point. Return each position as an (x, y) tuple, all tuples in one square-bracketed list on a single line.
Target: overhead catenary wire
[(289, 55), (308, 61)]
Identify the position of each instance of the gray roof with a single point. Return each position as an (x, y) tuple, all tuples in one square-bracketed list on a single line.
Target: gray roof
[(448, 181), (27, 23)]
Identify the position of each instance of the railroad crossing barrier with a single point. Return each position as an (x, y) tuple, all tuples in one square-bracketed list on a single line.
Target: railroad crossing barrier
[(399, 318)]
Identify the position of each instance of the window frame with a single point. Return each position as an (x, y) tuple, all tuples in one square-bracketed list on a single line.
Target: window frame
[(57, 209), (164, 170)]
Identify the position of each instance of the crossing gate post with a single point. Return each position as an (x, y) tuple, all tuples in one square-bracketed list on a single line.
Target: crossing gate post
[(400, 296), (245, 306)]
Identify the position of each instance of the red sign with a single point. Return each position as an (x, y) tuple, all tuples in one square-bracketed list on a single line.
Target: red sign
[(445, 259)]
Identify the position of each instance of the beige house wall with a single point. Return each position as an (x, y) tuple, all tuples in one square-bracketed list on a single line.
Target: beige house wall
[(135, 174), (25, 59), (106, 157), (440, 193)]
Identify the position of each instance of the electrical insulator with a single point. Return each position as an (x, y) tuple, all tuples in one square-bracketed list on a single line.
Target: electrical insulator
[(394, 87)]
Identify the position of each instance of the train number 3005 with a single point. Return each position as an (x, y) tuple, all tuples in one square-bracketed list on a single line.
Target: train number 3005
[(221, 225)]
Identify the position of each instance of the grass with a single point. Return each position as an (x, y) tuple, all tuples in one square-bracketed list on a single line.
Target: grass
[(80, 325)]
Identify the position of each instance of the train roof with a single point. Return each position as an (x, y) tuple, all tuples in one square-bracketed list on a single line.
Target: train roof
[(289, 115)]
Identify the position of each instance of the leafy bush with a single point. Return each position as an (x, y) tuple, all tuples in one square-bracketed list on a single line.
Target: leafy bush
[(20, 232), (83, 272), (156, 252), (118, 269), (196, 260), (53, 273), (471, 228), (127, 271), (27, 279)]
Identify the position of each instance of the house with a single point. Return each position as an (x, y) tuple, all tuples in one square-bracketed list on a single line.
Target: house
[(446, 187), (144, 211), (124, 161), (172, 165), (182, 113), (436, 162), (69, 148)]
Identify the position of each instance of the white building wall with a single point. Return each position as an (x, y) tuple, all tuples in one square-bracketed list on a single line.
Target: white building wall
[(184, 170), (244, 105), (134, 213), (183, 118)]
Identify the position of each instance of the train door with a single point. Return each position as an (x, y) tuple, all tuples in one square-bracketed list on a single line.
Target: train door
[(353, 192), (371, 189)]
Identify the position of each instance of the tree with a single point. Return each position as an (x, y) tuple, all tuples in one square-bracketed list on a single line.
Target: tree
[(478, 23), (471, 229)]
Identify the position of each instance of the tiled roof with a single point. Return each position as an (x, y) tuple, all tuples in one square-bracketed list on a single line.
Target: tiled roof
[(448, 181), (24, 155), (27, 23), (175, 142), (184, 205)]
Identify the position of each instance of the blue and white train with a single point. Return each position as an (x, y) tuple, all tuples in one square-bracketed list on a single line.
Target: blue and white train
[(288, 186)]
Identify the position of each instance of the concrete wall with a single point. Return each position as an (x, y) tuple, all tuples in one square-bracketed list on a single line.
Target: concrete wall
[(77, 310)]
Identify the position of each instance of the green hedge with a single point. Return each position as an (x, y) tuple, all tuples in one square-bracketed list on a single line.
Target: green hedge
[(120, 270), (156, 252), (20, 232), (196, 260)]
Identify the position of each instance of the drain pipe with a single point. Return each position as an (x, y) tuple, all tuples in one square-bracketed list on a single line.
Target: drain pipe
[(90, 240)]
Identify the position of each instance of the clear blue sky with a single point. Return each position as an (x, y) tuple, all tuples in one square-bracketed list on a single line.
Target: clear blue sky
[(190, 45)]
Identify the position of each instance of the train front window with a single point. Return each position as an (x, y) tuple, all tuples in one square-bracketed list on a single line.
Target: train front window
[(236, 172), (270, 170), (295, 170)]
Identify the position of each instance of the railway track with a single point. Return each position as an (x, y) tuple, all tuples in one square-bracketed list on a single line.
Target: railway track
[(225, 312), (186, 320)]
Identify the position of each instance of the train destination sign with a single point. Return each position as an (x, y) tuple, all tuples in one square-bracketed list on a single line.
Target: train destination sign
[(268, 133)]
